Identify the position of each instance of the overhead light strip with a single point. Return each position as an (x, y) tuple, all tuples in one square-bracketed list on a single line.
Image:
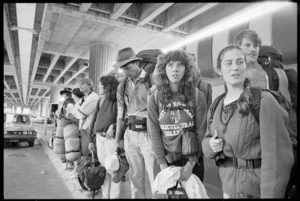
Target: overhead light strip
[(245, 15)]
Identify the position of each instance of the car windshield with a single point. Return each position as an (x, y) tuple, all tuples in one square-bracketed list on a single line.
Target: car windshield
[(16, 118)]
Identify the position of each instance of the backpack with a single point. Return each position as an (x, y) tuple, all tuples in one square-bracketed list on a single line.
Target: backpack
[(255, 106), (91, 175), (270, 59)]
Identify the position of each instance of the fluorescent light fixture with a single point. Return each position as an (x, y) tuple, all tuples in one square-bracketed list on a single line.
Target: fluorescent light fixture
[(25, 18), (242, 16)]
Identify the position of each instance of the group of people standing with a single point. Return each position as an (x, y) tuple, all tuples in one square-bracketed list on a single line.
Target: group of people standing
[(149, 123)]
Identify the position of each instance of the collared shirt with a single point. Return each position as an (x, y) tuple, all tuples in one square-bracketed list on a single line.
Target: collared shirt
[(85, 111), (135, 97)]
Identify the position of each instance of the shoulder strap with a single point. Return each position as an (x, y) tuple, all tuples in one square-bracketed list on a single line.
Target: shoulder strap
[(283, 83), (124, 104), (213, 108), (157, 100), (255, 105), (148, 84), (206, 89)]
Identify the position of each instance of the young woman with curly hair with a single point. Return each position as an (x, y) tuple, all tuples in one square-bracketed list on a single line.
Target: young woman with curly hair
[(175, 106), (254, 159), (103, 125)]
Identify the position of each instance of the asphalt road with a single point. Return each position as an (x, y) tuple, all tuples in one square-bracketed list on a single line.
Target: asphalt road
[(29, 174)]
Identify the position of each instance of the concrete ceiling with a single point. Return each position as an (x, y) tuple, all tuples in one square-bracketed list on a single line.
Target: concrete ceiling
[(62, 33)]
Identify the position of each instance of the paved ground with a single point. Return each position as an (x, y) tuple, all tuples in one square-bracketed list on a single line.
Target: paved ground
[(29, 174), (211, 180)]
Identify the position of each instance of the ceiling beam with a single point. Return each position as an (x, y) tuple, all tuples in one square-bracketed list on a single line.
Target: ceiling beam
[(119, 9), (68, 55), (7, 37), (35, 96), (58, 8), (84, 7), (69, 63), (18, 87), (9, 69), (152, 10), (26, 18), (42, 96), (187, 12), (45, 27), (11, 91), (6, 85), (81, 69), (8, 99), (54, 59)]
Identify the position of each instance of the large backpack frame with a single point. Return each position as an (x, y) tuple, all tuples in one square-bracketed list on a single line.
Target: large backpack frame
[(270, 59)]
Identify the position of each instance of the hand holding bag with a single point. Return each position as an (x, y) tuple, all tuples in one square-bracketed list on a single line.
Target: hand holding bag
[(174, 192)]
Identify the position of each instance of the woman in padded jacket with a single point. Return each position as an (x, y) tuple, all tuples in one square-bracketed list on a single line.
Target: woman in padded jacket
[(254, 159)]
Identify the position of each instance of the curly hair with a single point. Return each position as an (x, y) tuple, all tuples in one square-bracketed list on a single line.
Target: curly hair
[(110, 84), (162, 81)]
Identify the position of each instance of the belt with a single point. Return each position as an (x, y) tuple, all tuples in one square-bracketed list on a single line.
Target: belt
[(239, 163), (72, 151), (103, 134)]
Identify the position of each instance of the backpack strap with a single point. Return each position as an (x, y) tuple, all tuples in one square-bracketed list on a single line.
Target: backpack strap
[(124, 104), (213, 107), (255, 105), (205, 88), (283, 86)]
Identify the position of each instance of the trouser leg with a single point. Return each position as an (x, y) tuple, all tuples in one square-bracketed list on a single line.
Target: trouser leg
[(136, 164)]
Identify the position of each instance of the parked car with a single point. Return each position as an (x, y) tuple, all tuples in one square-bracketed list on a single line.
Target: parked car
[(49, 121), (18, 128)]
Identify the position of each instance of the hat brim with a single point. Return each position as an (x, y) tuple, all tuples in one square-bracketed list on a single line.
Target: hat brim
[(122, 63), (64, 91)]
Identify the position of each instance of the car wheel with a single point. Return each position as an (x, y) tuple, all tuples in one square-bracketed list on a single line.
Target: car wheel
[(6, 144), (31, 143)]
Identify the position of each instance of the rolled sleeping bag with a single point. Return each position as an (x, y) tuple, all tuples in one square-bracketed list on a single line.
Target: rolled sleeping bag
[(63, 122), (59, 145), (59, 132), (70, 131), (72, 147)]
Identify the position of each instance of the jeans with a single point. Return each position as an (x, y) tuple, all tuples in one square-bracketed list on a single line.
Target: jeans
[(138, 151), (106, 147)]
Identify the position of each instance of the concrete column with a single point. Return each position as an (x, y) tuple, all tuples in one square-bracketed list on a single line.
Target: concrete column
[(102, 57), (54, 94), (39, 109), (44, 107)]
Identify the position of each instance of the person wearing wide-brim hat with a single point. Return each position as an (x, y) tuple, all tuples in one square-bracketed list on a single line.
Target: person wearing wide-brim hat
[(66, 94), (137, 144), (126, 56), (65, 90)]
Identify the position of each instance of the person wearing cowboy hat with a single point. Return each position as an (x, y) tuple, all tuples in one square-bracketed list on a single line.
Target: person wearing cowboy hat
[(66, 94), (137, 143)]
